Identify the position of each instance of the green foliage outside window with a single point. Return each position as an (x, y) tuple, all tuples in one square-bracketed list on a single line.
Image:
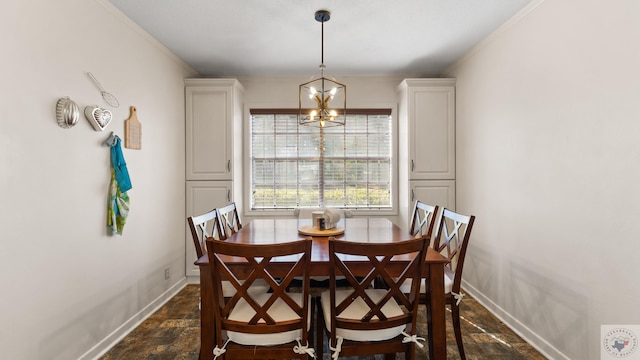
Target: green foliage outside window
[(355, 197)]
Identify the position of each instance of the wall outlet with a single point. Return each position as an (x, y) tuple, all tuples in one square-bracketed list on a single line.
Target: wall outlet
[(167, 274)]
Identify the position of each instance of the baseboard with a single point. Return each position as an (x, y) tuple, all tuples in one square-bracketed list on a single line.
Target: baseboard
[(540, 344), (118, 334)]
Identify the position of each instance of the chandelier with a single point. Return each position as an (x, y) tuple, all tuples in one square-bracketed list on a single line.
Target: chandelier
[(322, 102)]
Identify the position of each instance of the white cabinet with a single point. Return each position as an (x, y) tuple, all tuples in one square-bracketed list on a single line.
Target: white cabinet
[(427, 109), (435, 192), (213, 130), (203, 196), (213, 110), (426, 122)]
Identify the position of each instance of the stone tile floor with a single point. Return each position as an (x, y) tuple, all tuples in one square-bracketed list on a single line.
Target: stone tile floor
[(173, 333)]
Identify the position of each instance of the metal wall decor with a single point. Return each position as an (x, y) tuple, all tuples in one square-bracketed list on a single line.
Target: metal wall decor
[(67, 113), (107, 97), (98, 117)]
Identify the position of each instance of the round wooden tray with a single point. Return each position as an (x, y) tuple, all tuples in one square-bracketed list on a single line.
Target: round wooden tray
[(311, 231)]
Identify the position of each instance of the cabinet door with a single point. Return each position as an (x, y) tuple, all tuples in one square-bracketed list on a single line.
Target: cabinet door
[(431, 132), (434, 192), (209, 132), (203, 196)]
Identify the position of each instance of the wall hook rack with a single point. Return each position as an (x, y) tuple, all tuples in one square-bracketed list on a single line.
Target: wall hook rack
[(111, 140)]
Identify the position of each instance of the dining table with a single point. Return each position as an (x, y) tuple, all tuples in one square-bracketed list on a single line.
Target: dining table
[(357, 229)]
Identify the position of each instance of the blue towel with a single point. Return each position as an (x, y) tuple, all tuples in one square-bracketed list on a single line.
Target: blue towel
[(120, 167), (118, 208)]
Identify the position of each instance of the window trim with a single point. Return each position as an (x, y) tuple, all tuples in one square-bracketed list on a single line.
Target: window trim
[(376, 109)]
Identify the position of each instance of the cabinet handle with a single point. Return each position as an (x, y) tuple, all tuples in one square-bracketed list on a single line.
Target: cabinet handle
[(228, 195), (413, 196), (229, 165), (413, 165)]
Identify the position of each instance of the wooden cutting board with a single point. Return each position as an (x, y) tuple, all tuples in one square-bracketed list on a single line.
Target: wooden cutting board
[(132, 130)]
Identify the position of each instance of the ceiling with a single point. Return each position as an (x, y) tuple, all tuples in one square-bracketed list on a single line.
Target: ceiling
[(282, 37)]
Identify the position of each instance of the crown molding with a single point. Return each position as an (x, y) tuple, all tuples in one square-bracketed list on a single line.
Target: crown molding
[(493, 36), (145, 35)]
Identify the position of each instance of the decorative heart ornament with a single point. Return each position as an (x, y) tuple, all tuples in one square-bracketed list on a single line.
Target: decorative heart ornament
[(98, 117)]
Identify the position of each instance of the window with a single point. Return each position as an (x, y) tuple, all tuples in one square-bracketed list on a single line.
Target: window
[(300, 166)]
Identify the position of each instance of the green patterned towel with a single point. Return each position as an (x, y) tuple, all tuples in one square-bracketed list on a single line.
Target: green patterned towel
[(118, 206)]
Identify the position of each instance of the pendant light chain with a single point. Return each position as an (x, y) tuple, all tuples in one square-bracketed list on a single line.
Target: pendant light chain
[(322, 46)]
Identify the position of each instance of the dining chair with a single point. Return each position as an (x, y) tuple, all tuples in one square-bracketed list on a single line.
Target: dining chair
[(207, 226), (272, 325), (423, 223), (361, 320), (423, 219), (451, 240), (229, 219), (204, 226)]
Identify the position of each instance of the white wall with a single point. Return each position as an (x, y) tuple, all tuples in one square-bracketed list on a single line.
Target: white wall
[(66, 285), (547, 159)]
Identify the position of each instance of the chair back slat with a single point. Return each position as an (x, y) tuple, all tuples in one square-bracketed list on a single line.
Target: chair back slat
[(229, 220), (452, 241), (424, 219), (276, 264), (202, 227), (377, 257)]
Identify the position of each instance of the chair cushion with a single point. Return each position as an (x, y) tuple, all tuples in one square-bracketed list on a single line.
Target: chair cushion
[(448, 284), (258, 286), (280, 311), (357, 310)]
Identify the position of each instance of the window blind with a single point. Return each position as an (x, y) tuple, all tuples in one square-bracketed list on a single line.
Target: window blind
[(300, 166)]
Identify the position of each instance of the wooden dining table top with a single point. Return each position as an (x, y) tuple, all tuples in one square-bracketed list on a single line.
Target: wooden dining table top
[(362, 230)]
